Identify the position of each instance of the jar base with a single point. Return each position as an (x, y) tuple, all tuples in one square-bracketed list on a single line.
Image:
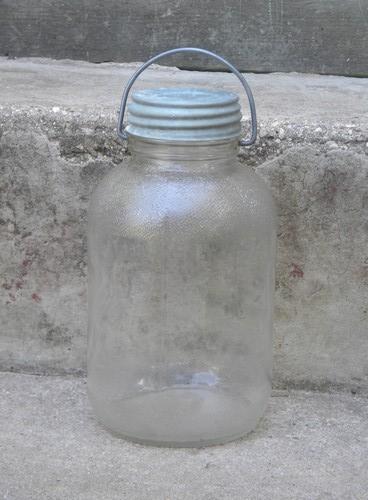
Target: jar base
[(183, 417), (177, 444)]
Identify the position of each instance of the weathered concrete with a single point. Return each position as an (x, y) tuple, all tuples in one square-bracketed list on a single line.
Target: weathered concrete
[(328, 36), (57, 139), (308, 446)]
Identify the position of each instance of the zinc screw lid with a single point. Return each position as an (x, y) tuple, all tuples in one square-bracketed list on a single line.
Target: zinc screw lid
[(184, 114)]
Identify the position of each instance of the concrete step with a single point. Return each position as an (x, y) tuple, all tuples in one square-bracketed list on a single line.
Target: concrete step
[(308, 446), (257, 35), (57, 139)]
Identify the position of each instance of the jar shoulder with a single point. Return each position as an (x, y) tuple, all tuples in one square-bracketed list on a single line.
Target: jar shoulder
[(156, 195)]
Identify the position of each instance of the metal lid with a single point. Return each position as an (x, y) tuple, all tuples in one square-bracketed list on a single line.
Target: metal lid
[(184, 114)]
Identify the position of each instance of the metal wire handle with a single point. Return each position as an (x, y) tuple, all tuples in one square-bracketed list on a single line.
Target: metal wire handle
[(243, 142)]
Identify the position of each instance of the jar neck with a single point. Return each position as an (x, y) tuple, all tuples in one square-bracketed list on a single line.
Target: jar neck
[(183, 155)]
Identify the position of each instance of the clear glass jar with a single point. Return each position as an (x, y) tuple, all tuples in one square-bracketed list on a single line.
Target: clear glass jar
[(181, 280)]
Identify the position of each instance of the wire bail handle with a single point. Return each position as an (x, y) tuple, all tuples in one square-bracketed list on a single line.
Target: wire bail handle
[(243, 142)]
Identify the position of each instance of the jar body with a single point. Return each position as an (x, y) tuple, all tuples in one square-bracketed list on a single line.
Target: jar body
[(181, 279)]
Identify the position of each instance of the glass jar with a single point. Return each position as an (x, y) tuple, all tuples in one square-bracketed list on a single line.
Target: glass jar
[(181, 278)]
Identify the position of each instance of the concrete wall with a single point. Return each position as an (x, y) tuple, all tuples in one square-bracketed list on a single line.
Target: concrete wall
[(314, 36), (57, 139)]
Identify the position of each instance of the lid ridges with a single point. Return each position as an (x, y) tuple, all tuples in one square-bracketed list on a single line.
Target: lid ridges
[(184, 114)]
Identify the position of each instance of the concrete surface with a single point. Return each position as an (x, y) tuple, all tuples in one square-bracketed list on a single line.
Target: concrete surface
[(57, 139), (328, 36), (308, 446)]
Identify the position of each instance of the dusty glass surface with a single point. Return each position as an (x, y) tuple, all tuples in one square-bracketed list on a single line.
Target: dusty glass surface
[(181, 280)]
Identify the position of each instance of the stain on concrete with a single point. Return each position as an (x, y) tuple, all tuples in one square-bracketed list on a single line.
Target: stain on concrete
[(53, 334), (296, 271), (36, 297)]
